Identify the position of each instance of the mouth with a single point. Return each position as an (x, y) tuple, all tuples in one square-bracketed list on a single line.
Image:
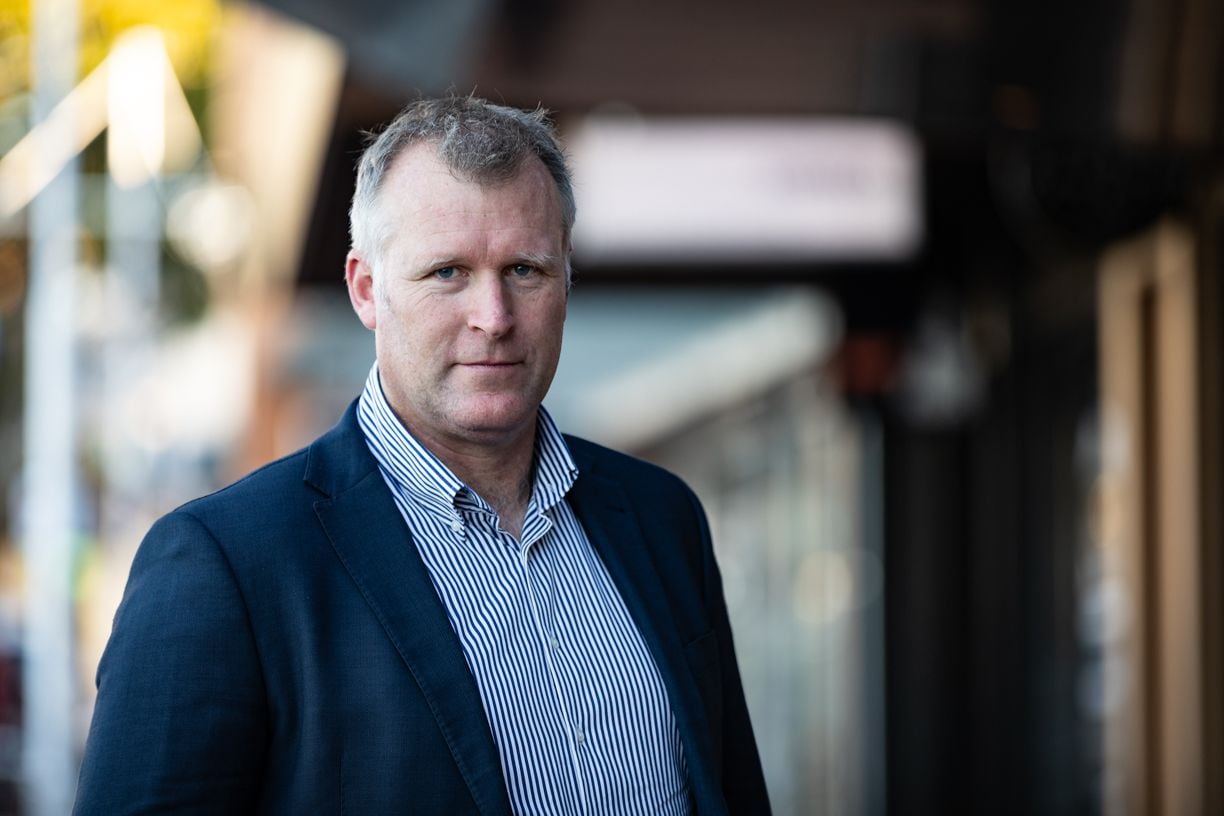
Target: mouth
[(489, 367)]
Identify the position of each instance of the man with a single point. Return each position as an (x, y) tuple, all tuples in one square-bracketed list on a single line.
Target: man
[(442, 606)]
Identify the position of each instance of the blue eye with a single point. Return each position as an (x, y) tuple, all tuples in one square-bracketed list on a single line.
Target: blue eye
[(522, 270), (445, 273)]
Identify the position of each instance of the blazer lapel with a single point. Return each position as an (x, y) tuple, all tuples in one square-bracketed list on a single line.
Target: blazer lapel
[(614, 531), (370, 537)]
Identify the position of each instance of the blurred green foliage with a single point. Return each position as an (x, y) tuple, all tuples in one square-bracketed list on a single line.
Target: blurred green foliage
[(187, 25)]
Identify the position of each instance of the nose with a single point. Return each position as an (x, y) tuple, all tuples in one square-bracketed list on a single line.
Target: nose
[(490, 308)]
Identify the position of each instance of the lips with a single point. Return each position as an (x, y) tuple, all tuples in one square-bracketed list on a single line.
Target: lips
[(486, 369)]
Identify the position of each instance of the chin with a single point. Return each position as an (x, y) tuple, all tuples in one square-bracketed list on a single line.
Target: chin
[(497, 420)]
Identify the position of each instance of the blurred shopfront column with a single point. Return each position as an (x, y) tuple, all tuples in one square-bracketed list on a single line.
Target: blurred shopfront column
[(1159, 482), (278, 90), (1160, 521), (49, 498)]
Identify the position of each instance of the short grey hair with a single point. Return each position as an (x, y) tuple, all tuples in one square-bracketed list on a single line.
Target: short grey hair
[(478, 141)]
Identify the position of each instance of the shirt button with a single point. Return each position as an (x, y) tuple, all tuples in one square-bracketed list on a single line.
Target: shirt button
[(457, 525), (579, 736), (554, 643)]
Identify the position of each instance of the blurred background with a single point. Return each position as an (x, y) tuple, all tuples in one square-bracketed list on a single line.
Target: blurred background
[(923, 298)]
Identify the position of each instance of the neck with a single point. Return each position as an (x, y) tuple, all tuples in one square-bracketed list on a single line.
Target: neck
[(500, 473)]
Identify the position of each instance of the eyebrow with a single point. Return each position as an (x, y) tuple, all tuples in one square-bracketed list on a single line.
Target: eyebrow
[(544, 260), (438, 262)]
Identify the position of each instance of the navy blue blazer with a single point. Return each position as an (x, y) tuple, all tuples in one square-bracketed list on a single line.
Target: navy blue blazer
[(280, 649)]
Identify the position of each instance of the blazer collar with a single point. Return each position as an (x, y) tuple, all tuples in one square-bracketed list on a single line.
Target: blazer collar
[(373, 543)]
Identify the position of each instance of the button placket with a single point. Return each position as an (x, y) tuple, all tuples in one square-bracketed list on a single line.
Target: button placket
[(536, 526), (578, 737)]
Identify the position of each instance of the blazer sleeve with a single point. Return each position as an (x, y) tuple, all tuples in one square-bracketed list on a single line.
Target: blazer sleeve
[(180, 719), (743, 780)]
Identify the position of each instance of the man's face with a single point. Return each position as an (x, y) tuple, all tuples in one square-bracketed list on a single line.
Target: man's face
[(470, 301)]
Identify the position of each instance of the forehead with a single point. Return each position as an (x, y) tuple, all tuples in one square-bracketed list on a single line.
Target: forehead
[(420, 185)]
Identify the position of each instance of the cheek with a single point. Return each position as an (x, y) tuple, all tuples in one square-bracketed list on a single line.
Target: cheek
[(559, 323), (550, 316)]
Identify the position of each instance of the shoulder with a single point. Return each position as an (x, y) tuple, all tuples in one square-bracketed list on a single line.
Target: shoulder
[(284, 491), (592, 455), (249, 520), (265, 490), (253, 531), (645, 482)]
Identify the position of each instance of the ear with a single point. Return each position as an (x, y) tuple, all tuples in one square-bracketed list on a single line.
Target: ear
[(359, 276)]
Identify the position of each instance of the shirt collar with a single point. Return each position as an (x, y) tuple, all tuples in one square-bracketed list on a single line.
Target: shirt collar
[(413, 469)]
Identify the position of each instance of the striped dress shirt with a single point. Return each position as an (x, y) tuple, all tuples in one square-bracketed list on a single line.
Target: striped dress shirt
[(573, 698)]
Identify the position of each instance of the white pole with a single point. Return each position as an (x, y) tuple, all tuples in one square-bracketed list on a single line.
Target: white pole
[(49, 506)]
